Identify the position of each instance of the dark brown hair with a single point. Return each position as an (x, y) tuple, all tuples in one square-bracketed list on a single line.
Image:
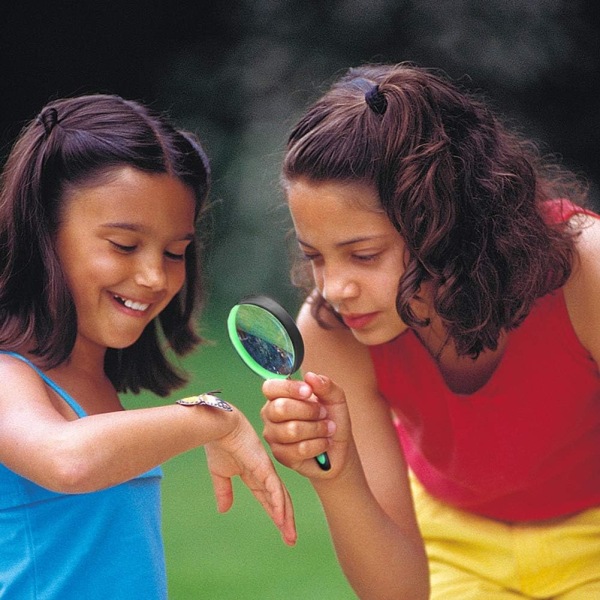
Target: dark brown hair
[(465, 192), (73, 142)]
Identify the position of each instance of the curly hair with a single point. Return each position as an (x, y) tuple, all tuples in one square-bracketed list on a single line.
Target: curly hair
[(466, 193), (72, 143)]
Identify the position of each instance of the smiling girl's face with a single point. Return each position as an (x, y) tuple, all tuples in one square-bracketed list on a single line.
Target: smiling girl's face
[(356, 254), (121, 243)]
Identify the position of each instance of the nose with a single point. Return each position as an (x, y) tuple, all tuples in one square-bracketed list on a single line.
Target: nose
[(151, 274), (337, 286)]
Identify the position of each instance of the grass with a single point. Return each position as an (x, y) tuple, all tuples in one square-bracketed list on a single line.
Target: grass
[(238, 555)]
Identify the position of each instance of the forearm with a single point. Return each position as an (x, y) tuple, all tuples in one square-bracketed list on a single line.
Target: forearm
[(380, 558), (106, 449)]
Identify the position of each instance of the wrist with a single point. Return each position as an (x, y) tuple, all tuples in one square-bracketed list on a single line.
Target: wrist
[(208, 410), (206, 399), (345, 473)]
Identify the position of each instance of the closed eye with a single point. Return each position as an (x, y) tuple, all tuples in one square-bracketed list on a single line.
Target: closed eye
[(174, 256), (123, 247), (310, 257), (366, 257)]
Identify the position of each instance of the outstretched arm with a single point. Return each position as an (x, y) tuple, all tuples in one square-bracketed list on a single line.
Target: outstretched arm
[(101, 450)]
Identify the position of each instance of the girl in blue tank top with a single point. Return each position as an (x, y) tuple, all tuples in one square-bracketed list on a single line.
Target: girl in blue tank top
[(99, 266)]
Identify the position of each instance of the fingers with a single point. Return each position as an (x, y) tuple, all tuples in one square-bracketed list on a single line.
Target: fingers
[(304, 419), (296, 430), (271, 494), (326, 390), (313, 387), (286, 388), (288, 528), (297, 411), (243, 454), (223, 492), (274, 497), (281, 509), (280, 410), (290, 425)]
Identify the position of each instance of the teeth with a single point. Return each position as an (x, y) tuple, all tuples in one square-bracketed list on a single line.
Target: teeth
[(133, 305)]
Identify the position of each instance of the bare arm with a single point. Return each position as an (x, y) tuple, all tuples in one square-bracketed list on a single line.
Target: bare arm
[(366, 495), (582, 291), (98, 451)]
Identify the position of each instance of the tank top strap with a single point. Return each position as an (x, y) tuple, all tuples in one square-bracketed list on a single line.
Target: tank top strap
[(66, 397)]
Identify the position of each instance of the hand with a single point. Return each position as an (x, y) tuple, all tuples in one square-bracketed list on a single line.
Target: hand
[(304, 419), (241, 453)]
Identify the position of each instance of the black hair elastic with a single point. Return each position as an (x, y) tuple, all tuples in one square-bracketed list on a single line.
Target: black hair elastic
[(49, 119), (376, 100)]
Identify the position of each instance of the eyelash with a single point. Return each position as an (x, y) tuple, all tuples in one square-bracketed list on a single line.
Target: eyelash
[(309, 257), (123, 248), (172, 256), (366, 257), (363, 258), (129, 249)]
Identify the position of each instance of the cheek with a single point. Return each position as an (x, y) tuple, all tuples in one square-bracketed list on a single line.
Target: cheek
[(317, 275), (177, 279)]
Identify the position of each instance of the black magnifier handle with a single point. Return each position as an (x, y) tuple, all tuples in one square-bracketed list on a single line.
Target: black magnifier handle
[(323, 461)]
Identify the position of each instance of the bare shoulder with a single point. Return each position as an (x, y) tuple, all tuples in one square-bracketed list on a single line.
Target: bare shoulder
[(582, 291), (13, 369), (19, 381)]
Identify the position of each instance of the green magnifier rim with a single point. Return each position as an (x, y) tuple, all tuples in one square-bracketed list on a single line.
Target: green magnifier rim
[(286, 322)]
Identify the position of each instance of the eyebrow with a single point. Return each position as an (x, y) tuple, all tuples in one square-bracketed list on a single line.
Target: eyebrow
[(357, 240), (139, 229)]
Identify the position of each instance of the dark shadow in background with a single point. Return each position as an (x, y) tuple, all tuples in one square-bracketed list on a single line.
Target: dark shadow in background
[(239, 72)]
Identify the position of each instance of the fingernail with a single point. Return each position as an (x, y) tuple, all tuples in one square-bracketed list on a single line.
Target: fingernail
[(331, 427), (305, 390), (322, 412)]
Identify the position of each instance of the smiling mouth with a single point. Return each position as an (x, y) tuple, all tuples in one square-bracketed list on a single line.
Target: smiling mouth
[(139, 306)]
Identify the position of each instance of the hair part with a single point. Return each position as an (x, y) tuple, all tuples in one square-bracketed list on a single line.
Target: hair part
[(75, 142), (466, 193)]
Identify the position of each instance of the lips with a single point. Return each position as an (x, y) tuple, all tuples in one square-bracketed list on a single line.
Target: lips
[(358, 321)]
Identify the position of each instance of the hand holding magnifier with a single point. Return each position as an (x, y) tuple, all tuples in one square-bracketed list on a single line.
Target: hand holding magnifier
[(268, 341)]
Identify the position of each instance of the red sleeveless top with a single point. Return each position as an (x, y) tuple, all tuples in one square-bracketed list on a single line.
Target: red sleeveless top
[(526, 445)]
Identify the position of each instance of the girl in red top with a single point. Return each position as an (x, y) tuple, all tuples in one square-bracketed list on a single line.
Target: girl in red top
[(454, 326)]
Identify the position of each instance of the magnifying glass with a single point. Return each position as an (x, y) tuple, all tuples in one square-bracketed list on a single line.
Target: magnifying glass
[(268, 341)]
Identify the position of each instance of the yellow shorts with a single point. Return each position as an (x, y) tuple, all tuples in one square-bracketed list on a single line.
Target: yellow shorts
[(474, 558)]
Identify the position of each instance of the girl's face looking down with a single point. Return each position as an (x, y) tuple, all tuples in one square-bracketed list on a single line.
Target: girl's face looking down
[(356, 254), (122, 244)]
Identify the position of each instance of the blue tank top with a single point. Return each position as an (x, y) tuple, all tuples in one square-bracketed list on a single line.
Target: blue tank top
[(104, 545)]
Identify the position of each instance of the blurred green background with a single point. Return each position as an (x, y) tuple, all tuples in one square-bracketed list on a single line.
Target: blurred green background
[(238, 73), (239, 554)]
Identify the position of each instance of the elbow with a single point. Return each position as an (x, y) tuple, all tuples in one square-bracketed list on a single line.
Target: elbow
[(414, 591), (411, 582), (70, 476)]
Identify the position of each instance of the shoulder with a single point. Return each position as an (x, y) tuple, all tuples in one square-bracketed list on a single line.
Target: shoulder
[(582, 290), (16, 374), (11, 364)]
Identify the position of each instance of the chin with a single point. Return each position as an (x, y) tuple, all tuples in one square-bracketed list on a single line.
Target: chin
[(122, 344), (371, 339), (377, 337)]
